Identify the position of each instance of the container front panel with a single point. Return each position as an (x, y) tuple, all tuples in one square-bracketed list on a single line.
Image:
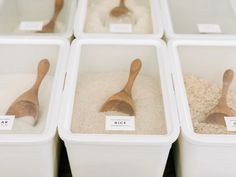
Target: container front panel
[(29, 160), (194, 160), (117, 161)]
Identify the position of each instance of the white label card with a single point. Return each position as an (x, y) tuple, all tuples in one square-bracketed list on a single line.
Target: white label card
[(31, 25), (122, 123), (6, 122), (120, 28), (209, 28), (230, 123)]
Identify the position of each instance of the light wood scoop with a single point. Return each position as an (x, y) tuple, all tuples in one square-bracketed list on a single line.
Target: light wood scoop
[(122, 101), (27, 104), (221, 110), (119, 10), (50, 26)]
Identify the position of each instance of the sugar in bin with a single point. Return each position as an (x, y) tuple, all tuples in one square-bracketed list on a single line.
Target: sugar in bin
[(204, 148), (28, 17), (94, 18), (28, 150), (96, 70), (199, 19)]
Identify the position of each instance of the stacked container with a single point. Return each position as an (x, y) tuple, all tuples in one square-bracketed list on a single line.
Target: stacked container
[(201, 48), (203, 149), (96, 151), (28, 150)]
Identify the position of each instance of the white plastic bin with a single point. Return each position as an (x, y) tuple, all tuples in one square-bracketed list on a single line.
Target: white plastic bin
[(117, 154), (199, 19), (25, 150), (92, 19), (200, 154), (31, 14)]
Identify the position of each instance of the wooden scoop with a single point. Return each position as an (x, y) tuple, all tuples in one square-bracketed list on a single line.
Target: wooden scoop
[(50, 26), (122, 101), (221, 110), (119, 10), (27, 104)]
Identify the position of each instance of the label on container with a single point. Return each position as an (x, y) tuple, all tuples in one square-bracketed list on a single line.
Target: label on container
[(123, 123), (209, 28), (230, 123), (6, 122), (31, 25), (120, 28)]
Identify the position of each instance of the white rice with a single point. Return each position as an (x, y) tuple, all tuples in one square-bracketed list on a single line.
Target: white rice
[(95, 88)]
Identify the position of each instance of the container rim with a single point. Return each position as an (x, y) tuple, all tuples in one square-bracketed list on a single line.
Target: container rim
[(67, 105), (182, 102), (157, 26), (50, 128)]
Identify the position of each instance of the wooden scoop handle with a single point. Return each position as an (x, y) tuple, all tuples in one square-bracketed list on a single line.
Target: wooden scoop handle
[(227, 80), (122, 3), (58, 6), (134, 70), (43, 68)]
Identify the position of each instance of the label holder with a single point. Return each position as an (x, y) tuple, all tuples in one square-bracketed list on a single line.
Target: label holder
[(6, 122), (120, 123)]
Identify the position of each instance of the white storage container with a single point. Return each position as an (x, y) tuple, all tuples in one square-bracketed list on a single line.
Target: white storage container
[(200, 154), (28, 150), (25, 17), (92, 19), (199, 19), (117, 153)]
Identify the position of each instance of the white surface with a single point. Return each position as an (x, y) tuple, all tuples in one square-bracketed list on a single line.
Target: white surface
[(1, 3), (14, 12), (127, 155), (38, 151), (202, 154), (96, 28), (180, 18)]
